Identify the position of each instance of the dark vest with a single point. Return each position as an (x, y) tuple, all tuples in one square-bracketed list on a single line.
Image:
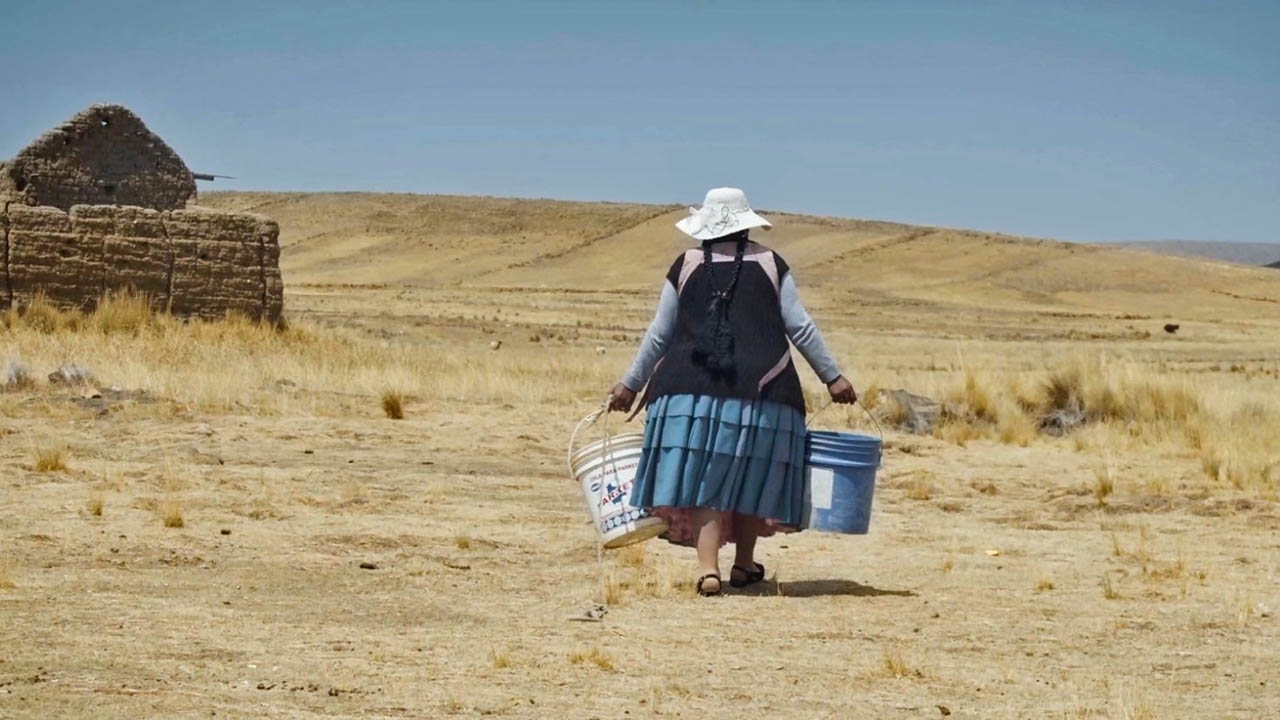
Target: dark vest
[(762, 352)]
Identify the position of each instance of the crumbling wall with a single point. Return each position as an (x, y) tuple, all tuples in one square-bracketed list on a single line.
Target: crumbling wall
[(193, 262), (104, 155)]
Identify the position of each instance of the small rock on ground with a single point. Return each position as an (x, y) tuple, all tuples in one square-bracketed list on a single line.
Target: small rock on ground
[(71, 375)]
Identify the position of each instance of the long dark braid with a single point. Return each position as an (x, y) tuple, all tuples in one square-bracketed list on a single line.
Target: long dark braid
[(713, 347)]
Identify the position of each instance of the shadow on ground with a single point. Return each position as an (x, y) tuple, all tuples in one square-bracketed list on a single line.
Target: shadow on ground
[(828, 588)]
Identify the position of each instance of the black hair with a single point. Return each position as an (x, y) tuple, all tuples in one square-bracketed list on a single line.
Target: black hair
[(713, 347)]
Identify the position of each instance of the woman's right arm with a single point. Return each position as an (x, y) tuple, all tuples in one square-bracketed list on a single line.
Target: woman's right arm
[(654, 345)]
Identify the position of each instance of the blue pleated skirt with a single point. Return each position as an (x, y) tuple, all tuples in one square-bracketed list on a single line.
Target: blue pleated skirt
[(742, 456)]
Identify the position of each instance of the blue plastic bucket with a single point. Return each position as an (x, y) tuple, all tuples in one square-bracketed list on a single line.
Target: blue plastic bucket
[(839, 481)]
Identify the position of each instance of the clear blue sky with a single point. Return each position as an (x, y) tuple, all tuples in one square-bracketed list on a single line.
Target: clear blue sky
[(1089, 121)]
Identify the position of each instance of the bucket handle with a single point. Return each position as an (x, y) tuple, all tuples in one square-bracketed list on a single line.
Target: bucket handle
[(858, 402), (586, 422)]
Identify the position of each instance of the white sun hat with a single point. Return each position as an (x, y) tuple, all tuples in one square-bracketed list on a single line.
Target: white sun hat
[(724, 211)]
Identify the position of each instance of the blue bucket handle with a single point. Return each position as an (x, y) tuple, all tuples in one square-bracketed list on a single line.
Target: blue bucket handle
[(857, 402)]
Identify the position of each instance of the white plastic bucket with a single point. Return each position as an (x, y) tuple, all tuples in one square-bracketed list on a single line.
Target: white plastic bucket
[(606, 470)]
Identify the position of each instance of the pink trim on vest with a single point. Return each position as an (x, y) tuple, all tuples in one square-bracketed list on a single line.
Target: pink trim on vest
[(755, 252), (770, 267), (776, 370), (692, 258)]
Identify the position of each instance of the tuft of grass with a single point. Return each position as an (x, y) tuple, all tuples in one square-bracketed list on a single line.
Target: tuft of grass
[(1250, 467), (1108, 590), (895, 665), (948, 562), (1138, 710), (97, 501), (633, 556), (986, 487), (500, 659), (393, 404), (462, 542), (1240, 607), (1117, 550), (1044, 584), (6, 574), (1104, 483), (611, 589), (1015, 428), (1104, 390), (594, 656), (957, 431), (124, 311), (39, 315), (49, 456), (920, 487), (171, 513)]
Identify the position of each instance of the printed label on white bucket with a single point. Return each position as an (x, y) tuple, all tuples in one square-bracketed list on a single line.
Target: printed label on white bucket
[(820, 482)]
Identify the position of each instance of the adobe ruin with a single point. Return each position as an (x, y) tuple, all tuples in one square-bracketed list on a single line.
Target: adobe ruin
[(100, 204)]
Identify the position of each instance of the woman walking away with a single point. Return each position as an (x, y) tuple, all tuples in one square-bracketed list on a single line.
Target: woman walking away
[(724, 431)]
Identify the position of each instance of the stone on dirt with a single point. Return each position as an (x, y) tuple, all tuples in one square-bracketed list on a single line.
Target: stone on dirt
[(915, 413), (71, 374)]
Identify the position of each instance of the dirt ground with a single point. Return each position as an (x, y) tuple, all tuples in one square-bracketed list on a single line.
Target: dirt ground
[(333, 562)]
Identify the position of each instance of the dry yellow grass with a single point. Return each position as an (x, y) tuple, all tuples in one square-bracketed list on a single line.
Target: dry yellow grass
[(393, 404), (1104, 482), (7, 581), (1109, 590), (593, 656), (270, 431), (49, 456), (97, 502), (895, 665), (501, 659), (920, 486), (171, 513)]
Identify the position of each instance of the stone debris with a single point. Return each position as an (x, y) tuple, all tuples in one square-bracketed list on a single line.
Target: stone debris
[(1062, 421), (100, 204), (71, 375), (16, 374), (914, 413), (592, 614)]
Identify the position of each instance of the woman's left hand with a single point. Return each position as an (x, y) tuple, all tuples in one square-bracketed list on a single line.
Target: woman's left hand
[(842, 391)]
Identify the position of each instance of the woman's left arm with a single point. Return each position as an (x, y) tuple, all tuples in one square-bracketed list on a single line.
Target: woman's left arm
[(805, 336)]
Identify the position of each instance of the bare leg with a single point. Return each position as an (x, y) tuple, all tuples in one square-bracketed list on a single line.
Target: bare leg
[(746, 529), (707, 523)]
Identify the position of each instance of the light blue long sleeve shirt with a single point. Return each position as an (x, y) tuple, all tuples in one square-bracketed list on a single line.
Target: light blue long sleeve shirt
[(800, 330)]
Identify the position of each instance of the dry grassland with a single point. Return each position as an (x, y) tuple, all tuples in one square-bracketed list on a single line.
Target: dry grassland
[(368, 514)]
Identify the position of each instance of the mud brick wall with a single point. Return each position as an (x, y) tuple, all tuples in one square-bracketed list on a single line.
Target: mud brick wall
[(193, 262), (104, 155)]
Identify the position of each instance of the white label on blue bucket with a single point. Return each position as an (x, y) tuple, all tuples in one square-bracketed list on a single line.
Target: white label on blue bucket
[(820, 482)]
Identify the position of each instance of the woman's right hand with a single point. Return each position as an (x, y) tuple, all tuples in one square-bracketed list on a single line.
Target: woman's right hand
[(621, 397), (842, 391)]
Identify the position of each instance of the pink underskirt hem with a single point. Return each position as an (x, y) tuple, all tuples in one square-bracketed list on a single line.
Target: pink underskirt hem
[(680, 528)]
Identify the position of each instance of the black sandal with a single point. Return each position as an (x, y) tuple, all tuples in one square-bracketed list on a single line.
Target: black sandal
[(753, 576), (709, 593)]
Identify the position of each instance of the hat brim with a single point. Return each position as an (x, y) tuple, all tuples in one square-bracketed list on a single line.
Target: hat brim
[(745, 220)]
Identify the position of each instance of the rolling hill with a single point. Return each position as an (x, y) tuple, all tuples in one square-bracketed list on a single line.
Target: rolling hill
[(1242, 253), (431, 240)]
